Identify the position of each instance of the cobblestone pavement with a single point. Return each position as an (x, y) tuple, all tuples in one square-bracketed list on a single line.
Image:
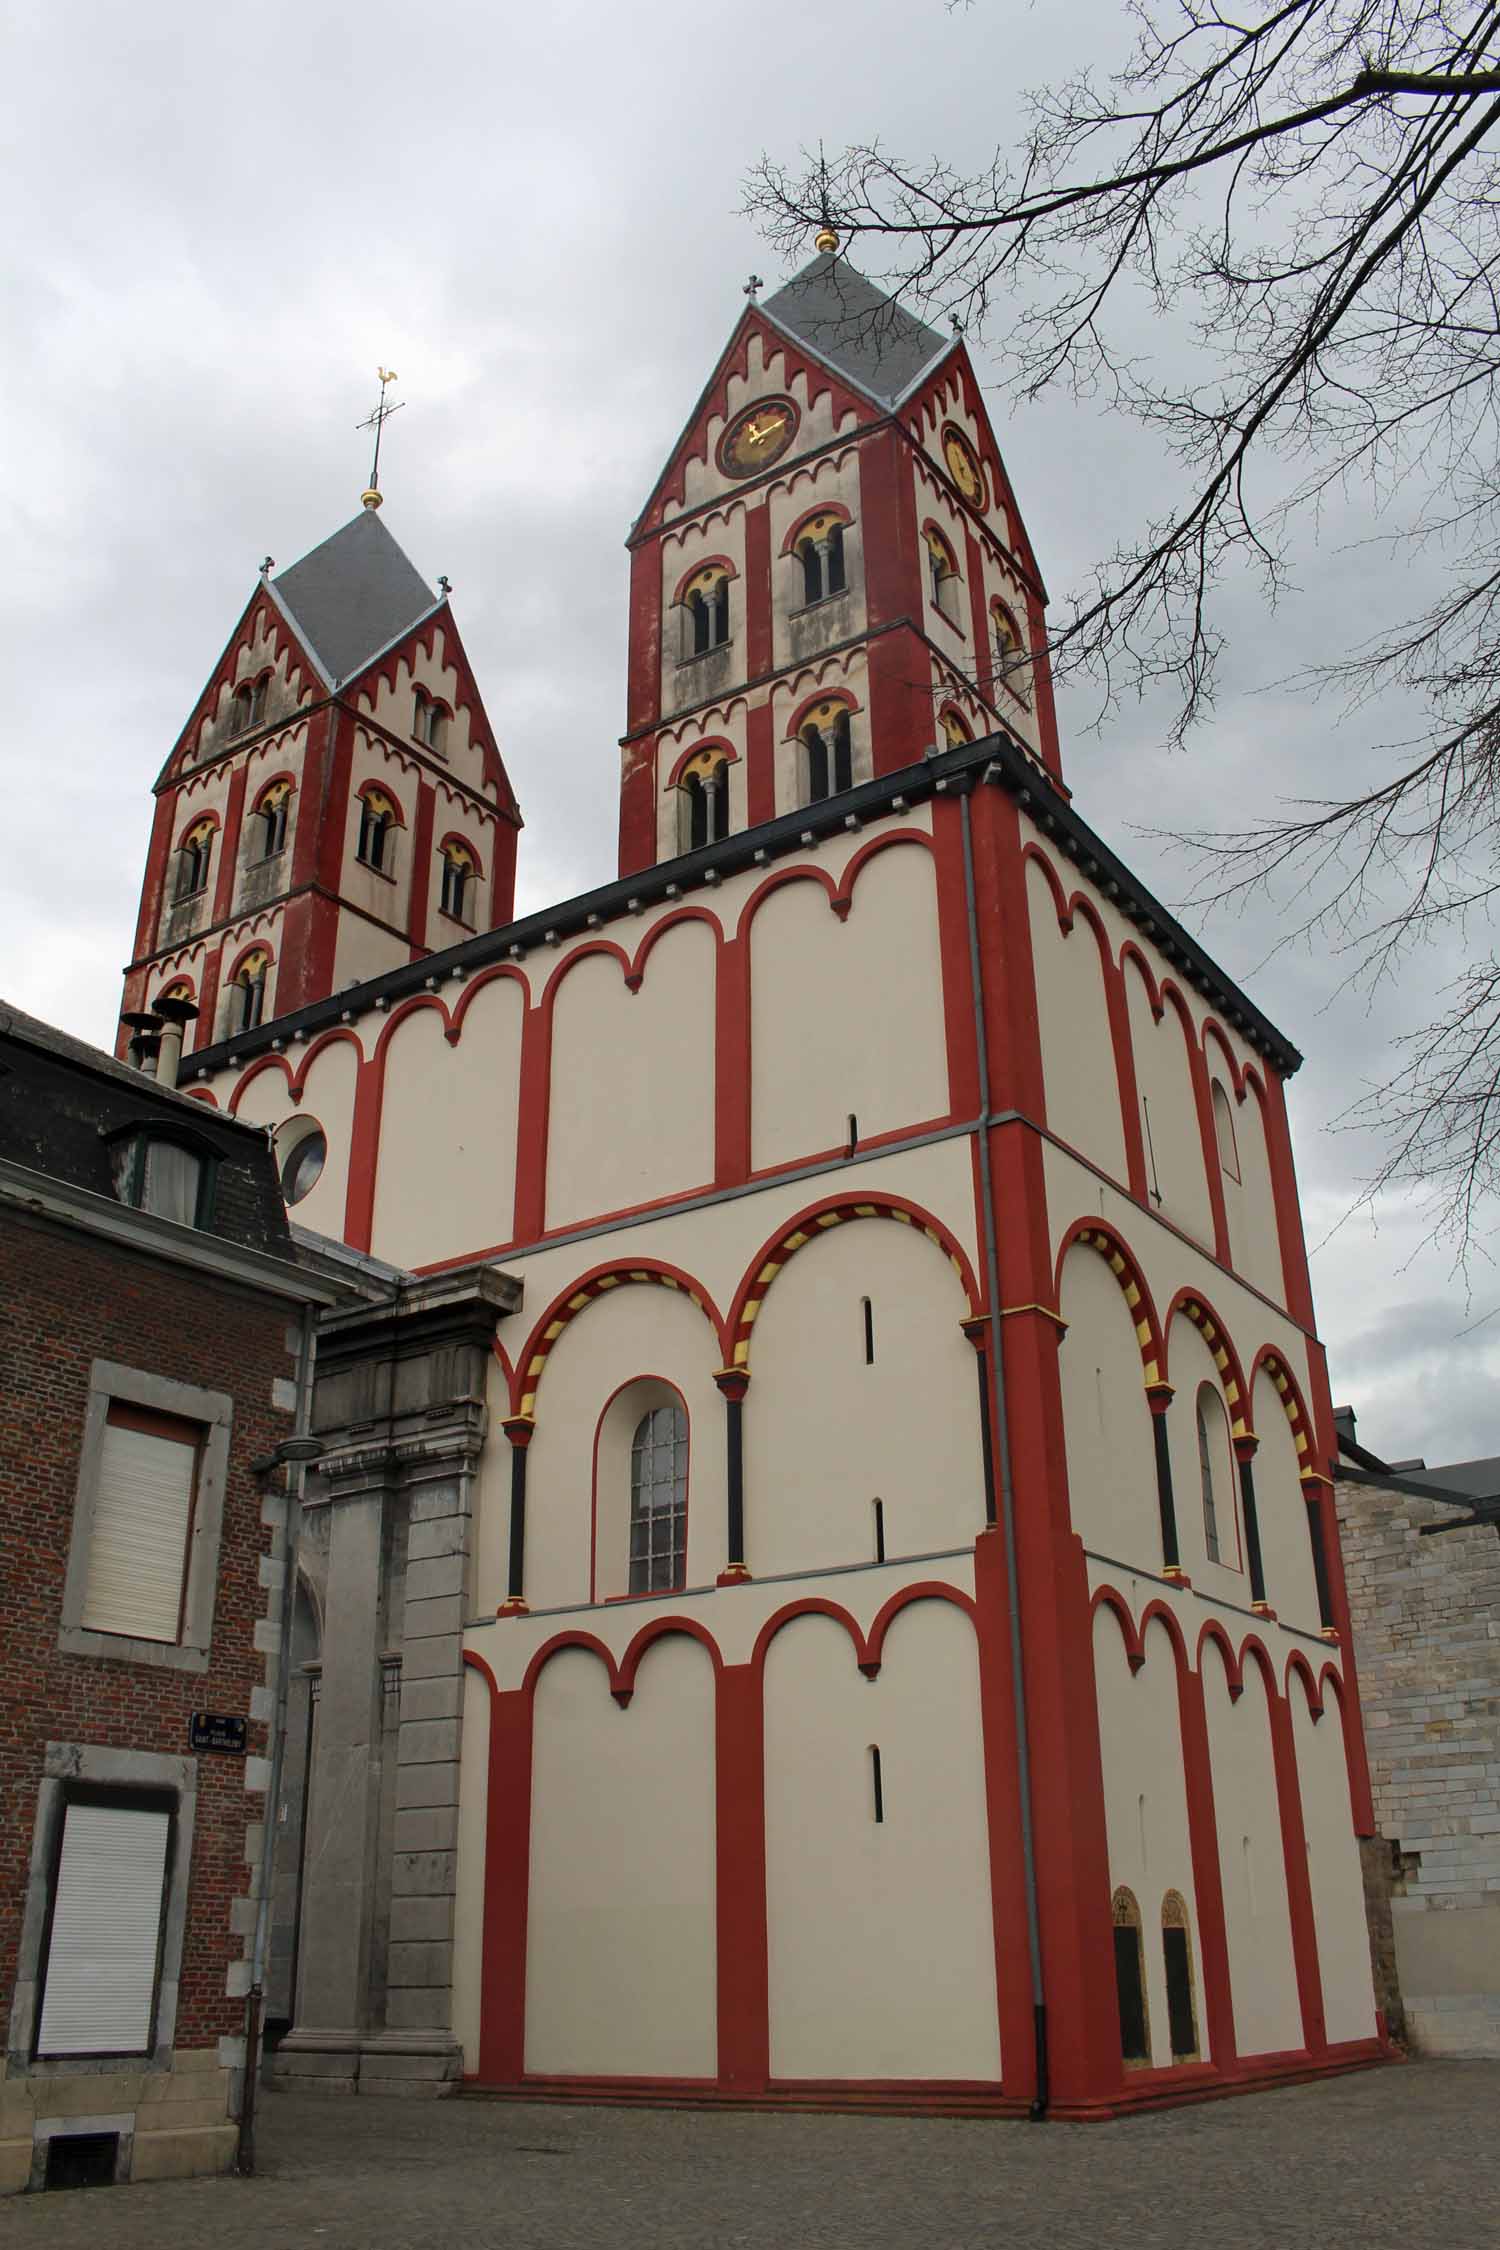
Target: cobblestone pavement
[(1406, 2155)]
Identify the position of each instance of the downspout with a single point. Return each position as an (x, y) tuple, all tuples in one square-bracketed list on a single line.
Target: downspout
[(1038, 2108), (294, 1452)]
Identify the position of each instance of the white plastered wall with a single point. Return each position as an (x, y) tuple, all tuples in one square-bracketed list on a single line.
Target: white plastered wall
[(635, 1331), (1169, 1112), (1333, 1868), (1106, 1420), (1190, 1364), (1281, 1514), (468, 1899), (1252, 1862), (1078, 1057), (363, 949), (1145, 1805), (827, 1432), (880, 1935), (329, 1097), (392, 703), (1250, 1205), (632, 1090), (847, 1015), (445, 1182), (384, 893), (621, 1968)]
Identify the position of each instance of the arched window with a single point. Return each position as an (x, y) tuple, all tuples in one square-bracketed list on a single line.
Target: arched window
[(250, 987), (942, 573), (271, 812), (1213, 1445), (658, 1501), (248, 708), (429, 719), (1010, 651), (827, 739), (193, 856), (704, 787), (1177, 1951), (1229, 1154), (819, 548), (1130, 1978), (377, 817), (705, 612), (459, 870), (955, 726)]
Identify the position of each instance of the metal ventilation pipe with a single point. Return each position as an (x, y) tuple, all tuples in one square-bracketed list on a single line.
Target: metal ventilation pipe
[(177, 1015), (144, 1024)]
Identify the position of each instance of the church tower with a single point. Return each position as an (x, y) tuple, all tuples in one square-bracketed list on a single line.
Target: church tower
[(335, 806), (830, 576)]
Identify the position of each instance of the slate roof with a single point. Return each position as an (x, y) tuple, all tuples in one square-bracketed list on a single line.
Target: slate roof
[(876, 344), (353, 596), (1479, 1479)]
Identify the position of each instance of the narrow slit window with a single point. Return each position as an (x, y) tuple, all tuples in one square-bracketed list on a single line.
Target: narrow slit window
[(868, 1311), (877, 1786), (880, 1531), (853, 1138), (1130, 1979)]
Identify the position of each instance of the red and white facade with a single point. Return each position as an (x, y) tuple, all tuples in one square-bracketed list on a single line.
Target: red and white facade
[(910, 1150)]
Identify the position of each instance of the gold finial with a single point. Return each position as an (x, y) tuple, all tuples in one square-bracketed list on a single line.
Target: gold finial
[(370, 498), (826, 238)]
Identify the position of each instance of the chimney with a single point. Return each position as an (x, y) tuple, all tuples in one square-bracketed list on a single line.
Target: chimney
[(144, 1025), (177, 1015)]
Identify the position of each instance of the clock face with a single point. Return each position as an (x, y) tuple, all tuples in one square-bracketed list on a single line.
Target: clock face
[(757, 437), (963, 467)]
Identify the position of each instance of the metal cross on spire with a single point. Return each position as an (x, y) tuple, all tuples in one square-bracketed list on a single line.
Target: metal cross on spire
[(753, 288), (377, 422)]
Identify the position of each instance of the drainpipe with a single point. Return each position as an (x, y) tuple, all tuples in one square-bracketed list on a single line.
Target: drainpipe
[(293, 1452), (1007, 1511)]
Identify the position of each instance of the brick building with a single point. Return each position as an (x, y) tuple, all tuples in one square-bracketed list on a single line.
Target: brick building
[(1422, 1563), (151, 1334)]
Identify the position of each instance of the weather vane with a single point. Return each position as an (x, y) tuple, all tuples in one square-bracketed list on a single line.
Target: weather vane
[(377, 422)]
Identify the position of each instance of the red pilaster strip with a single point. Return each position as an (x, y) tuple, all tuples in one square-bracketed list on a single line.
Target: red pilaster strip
[(732, 1062), (535, 1093), (743, 1975), (953, 948), (643, 697), (229, 845), (364, 1152), (1012, 1025), (1130, 1100), (503, 838), (421, 867), (1002, 1792), (1284, 1195), (1067, 1770), (979, 619), (1041, 681), (758, 590), (507, 1872), (888, 531), (1298, 1882), (322, 819), (1208, 1880), (760, 762), (1209, 1140), (899, 671)]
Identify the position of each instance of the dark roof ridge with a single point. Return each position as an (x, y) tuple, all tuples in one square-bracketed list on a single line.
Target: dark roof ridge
[(867, 338)]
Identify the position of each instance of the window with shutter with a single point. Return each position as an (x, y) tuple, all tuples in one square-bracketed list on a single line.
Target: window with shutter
[(142, 1520), (99, 1993)]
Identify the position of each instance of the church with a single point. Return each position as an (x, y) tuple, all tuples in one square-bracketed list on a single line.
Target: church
[(821, 1586)]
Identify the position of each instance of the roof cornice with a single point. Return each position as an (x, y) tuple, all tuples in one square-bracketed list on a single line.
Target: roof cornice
[(999, 760)]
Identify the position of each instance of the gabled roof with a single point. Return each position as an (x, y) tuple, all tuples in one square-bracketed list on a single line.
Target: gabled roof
[(863, 335), (351, 597)]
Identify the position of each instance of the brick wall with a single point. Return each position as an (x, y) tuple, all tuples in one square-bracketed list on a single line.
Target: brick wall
[(66, 1300), (1426, 1617)]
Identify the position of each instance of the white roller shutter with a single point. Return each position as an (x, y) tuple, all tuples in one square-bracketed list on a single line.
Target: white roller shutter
[(138, 1550), (106, 1921)]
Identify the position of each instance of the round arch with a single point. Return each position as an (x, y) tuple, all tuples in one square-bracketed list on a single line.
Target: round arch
[(1094, 1235), (819, 1219), (565, 1308)]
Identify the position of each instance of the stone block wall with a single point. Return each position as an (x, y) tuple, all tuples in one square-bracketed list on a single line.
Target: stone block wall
[(1426, 1617)]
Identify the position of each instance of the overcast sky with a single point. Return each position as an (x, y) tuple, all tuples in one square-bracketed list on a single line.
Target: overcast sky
[(219, 221)]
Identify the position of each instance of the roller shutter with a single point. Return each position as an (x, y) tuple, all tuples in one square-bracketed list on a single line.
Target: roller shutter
[(106, 1928)]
